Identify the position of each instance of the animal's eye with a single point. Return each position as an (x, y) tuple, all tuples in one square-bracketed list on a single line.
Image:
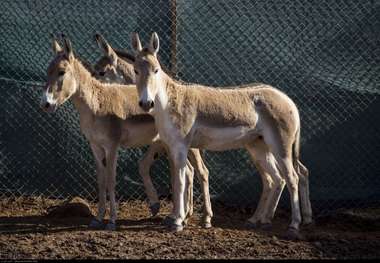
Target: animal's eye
[(136, 72), (102, 73), (61, 73), (155, 71)]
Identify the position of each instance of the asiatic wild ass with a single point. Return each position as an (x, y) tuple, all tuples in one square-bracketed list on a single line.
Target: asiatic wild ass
[(113, 66), (109, 118), (257, 117)]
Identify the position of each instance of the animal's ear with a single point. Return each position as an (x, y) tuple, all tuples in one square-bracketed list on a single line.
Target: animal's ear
[(55, 45), (154, 44), (136, 43), (68, 49), (106, 48), (125, 56)]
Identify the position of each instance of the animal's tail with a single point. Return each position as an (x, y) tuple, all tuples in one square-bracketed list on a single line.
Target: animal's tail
[(296, 151), (303, 174)]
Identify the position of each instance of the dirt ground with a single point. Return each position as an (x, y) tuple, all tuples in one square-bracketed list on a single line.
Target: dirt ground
[(27, 232)]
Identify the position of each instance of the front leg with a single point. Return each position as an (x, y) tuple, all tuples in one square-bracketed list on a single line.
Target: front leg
[(202, 173), (99, 155), (111, 157), (179, 157), (189, 209)]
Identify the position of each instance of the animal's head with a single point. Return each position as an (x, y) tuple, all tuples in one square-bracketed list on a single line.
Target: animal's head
[(110, 68), (148, 70), (61, 82)]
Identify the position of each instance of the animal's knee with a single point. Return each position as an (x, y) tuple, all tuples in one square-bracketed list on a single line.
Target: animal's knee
[(292, 183), (278, 181)]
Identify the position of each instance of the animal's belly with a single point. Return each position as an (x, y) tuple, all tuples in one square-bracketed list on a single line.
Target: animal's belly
[(220, 139), (137, 135)]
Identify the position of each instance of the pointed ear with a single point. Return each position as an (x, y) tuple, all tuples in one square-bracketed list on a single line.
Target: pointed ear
[(125, 56), (55, 45), (106, 48), (154, 44), (136, 43), (68, 48)]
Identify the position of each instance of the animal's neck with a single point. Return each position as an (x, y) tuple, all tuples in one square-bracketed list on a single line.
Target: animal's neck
[(163, 91), (96, 96)]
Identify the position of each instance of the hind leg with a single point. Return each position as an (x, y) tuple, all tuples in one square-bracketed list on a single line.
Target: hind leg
[(144, 167), (272, 203), (291, 178), (111, 156), (280, 144), (304, 194), (189, 208), (267, 184), (202, 173), (272, 182), (99, 154)]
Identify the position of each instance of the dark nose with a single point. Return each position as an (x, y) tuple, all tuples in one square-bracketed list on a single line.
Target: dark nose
[(46, 105), (146, 106)]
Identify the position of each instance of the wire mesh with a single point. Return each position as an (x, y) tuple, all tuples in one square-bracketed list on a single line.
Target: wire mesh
[(324, 54)]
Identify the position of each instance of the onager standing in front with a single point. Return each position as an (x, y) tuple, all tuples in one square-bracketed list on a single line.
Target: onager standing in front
[(220, 119)]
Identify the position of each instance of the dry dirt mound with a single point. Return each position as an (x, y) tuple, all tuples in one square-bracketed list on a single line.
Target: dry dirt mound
[(76, 207)]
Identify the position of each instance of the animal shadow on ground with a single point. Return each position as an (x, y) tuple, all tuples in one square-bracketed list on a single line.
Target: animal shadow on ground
[(44, 224)]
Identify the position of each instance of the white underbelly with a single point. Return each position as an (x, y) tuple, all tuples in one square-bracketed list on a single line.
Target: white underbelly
[(220, 139)]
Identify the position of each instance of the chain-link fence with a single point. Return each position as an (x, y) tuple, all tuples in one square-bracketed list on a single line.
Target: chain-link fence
[(324, 54)]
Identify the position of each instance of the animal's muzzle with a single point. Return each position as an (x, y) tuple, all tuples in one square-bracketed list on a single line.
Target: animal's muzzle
[(146, 105)]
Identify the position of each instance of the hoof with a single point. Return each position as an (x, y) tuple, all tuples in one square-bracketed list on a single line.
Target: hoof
[(110, 226), (154, 209), (176, 228), (206, 225), (292, 234), (251, 225), (96, 224), (168, 221), (309, 223), (266, 226)]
